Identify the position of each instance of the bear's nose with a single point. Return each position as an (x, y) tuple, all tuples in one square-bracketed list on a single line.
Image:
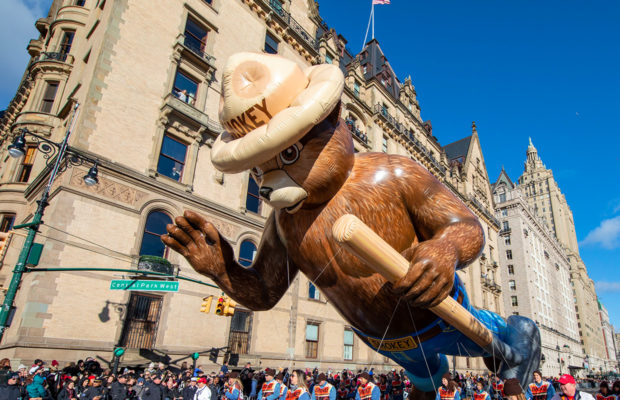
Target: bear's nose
[(265, 192)]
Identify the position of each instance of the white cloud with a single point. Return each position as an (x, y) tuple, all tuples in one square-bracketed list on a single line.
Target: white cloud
[(607, 234), (603, 286), (17, 19)]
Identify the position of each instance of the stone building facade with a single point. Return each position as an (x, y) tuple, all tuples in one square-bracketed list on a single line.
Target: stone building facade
[(611, 361), (147, 77), (549, 204), (535, 273)]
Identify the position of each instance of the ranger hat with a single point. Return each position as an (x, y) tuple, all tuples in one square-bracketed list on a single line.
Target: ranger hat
[(268, 103)]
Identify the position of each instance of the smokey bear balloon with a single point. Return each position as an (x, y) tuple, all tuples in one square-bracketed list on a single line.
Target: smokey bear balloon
[(282, 123)]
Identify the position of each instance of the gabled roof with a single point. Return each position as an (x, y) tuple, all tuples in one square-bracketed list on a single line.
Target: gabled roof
[(458, 149), (377, 66), (503, 178)]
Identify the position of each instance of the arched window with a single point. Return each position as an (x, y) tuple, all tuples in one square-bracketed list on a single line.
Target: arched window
[(247, 252), (155, 227)]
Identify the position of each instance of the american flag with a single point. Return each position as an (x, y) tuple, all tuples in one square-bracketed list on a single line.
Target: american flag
[(380, 2)]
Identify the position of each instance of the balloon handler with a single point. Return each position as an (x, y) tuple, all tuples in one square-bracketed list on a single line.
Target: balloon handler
[(283, 124)]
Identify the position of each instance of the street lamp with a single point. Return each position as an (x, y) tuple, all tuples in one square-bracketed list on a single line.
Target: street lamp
[(58, 157)]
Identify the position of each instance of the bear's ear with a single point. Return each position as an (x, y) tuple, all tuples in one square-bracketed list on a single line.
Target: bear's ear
[(334, 116)]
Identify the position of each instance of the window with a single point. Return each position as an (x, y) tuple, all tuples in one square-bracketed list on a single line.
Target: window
[(328, 59), (512, 285), (247, 252), (48, 96), (142, 321), (65, 43), (172, 158), (384, 144), (185, 88), (507, 240), (505, 225), (239, 334), (504, 213), (348, 344), (509, 254), (515, 313), (514, 301), (271, 44), (356, 88), (80, 3), (252, 200), (365, 68), (26, 165), (502, 197), (511, 269), (155, 227), (312, 340), (195, 37), (313, 292), (7, 222)]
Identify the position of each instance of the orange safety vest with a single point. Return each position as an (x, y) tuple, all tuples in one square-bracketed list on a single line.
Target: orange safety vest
[(445, 394), (231, 389), (539, 393), (499, 387), (365, 392), (600, 396), (282, 388), (480, 396), (268, 388), (295, 394), (322, 392)]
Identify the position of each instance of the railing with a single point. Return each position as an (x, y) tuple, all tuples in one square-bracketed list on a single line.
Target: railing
[(379, 109), (276, 6), (239, 342), (484, 210), (53, 56), (505, 231), (196, 48), (356, 132)]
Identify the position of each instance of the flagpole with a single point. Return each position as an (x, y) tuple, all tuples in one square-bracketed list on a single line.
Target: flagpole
[(373, 19), (372, 11)]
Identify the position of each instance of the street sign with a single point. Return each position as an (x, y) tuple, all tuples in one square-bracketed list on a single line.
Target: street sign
[(153, 286)]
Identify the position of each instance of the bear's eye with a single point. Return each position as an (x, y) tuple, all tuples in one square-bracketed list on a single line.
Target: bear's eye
[(290, 155)]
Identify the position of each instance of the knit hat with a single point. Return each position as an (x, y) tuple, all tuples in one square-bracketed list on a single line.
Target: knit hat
[(270, 372), (512, 387), (268, 103)]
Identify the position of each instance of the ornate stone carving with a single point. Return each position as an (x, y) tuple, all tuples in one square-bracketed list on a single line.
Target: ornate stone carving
[(107, 188)]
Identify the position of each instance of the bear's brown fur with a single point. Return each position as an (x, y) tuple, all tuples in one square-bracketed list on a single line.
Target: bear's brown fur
[(393, 195)]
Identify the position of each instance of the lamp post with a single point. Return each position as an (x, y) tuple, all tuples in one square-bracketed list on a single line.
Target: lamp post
[(58, 156)]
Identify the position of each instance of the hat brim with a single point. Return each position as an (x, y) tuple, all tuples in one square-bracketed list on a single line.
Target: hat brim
[(287, 127)]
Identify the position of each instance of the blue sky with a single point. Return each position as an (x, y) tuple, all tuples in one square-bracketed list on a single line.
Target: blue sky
[(549, 70)]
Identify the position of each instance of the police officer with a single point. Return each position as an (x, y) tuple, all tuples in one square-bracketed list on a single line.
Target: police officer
[(153, 390)]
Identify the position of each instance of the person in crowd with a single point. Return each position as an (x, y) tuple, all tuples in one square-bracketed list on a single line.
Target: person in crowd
[(604, 393), (480, 393), (68, 392), (298, 389), (233, 389), (189, 390), (118, 388), (447, 390), (323, 390), (5, 370), (35, 385), (512, 389), (202, 392), (568, 390), (539, 389), (497, 388), (270, 390), (11, 390), (367, 390), (153, 389), (615, 388), (283, 389)]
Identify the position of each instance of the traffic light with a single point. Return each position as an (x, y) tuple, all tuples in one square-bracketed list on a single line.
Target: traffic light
[(205, 307), (195, 356), (219, 307), (229, 307)]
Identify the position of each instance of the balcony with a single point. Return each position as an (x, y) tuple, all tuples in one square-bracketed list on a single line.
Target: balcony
[(505, 232), (42, 26), (197, 48), (191, 114), (382, 112), (42, 123), (361, 136), (473, 200), (276, 7), (35, 46)]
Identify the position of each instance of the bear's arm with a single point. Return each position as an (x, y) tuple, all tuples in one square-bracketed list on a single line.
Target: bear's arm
[(262, 285), (437, 213)]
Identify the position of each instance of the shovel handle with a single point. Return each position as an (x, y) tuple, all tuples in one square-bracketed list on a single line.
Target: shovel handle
[(362, 241)]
